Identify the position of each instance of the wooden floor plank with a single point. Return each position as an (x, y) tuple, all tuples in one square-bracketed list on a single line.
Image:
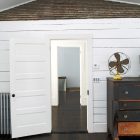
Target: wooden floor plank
[(69, 116)]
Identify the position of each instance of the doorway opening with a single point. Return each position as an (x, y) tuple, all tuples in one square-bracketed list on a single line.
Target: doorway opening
[(69, 86)]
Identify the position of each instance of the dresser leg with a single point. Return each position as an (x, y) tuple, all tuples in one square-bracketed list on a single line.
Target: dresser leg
[(116, 138)]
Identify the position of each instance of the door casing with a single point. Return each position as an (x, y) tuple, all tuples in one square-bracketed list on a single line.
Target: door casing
[(88, 55), (81, 44)]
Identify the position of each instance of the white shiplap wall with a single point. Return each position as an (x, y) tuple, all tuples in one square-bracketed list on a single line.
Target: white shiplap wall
[(109, 36)]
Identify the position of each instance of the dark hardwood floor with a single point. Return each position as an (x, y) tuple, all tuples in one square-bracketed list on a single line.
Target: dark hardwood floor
[(69, 122), (69, 117), (77, 136)]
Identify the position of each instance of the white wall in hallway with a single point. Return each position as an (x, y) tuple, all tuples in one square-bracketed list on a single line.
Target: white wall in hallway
[(71, 60), (69, 65), (109, 36)]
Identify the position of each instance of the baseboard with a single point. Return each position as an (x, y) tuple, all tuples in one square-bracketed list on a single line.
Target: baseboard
[(73, 89)]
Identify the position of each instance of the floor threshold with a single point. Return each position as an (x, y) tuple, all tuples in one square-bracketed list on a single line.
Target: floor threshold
[(70, 132)]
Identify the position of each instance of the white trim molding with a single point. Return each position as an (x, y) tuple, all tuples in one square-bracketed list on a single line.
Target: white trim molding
[(88, 39)]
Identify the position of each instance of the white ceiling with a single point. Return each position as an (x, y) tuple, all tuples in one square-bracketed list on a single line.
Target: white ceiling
[(8, 4), (137, 2)]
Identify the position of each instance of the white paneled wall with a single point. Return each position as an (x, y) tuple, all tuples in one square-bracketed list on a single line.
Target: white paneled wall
[(4, 66), (103, 48), (109, 36)]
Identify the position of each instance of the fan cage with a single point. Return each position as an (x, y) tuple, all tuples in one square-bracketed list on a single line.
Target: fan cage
[(122, 56)]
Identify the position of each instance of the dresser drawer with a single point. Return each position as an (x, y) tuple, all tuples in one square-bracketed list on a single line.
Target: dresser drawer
[(132, 105), (127, 91), (128, 116), (129, 128)]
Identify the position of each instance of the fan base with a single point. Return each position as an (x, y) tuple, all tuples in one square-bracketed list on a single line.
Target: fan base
[(117, 77)]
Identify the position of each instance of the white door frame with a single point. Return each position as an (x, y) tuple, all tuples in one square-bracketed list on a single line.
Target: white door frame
[(81, 44), (88, 39)]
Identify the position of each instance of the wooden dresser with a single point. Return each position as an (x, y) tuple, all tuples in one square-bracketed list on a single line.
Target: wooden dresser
[(123, 107)]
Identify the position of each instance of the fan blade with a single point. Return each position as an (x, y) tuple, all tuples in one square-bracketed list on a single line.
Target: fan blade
[(112, 64), (125, 61), (117, 56), (120, 69)]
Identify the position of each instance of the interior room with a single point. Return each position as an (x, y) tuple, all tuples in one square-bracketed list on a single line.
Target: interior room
[(99, 98)]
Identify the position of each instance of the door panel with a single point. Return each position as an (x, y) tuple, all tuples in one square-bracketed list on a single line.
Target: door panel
[(30, 84)]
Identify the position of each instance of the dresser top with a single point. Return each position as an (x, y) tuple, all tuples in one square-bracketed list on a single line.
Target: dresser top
[(125, 79)]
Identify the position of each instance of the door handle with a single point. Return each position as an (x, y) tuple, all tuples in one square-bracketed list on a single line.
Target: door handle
[(87, 92), (13, 95)]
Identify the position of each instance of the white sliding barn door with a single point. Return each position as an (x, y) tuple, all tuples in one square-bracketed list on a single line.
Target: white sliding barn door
[(30, 87)]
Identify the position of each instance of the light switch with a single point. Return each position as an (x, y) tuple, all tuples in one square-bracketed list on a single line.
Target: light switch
[(96, 67)]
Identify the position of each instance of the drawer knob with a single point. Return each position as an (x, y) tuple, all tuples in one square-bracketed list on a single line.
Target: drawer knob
[(125, 105), (125, 129), (125, 116), (126, 92)]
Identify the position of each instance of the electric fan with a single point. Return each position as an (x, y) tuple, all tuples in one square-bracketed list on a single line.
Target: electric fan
[(119, 64)]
